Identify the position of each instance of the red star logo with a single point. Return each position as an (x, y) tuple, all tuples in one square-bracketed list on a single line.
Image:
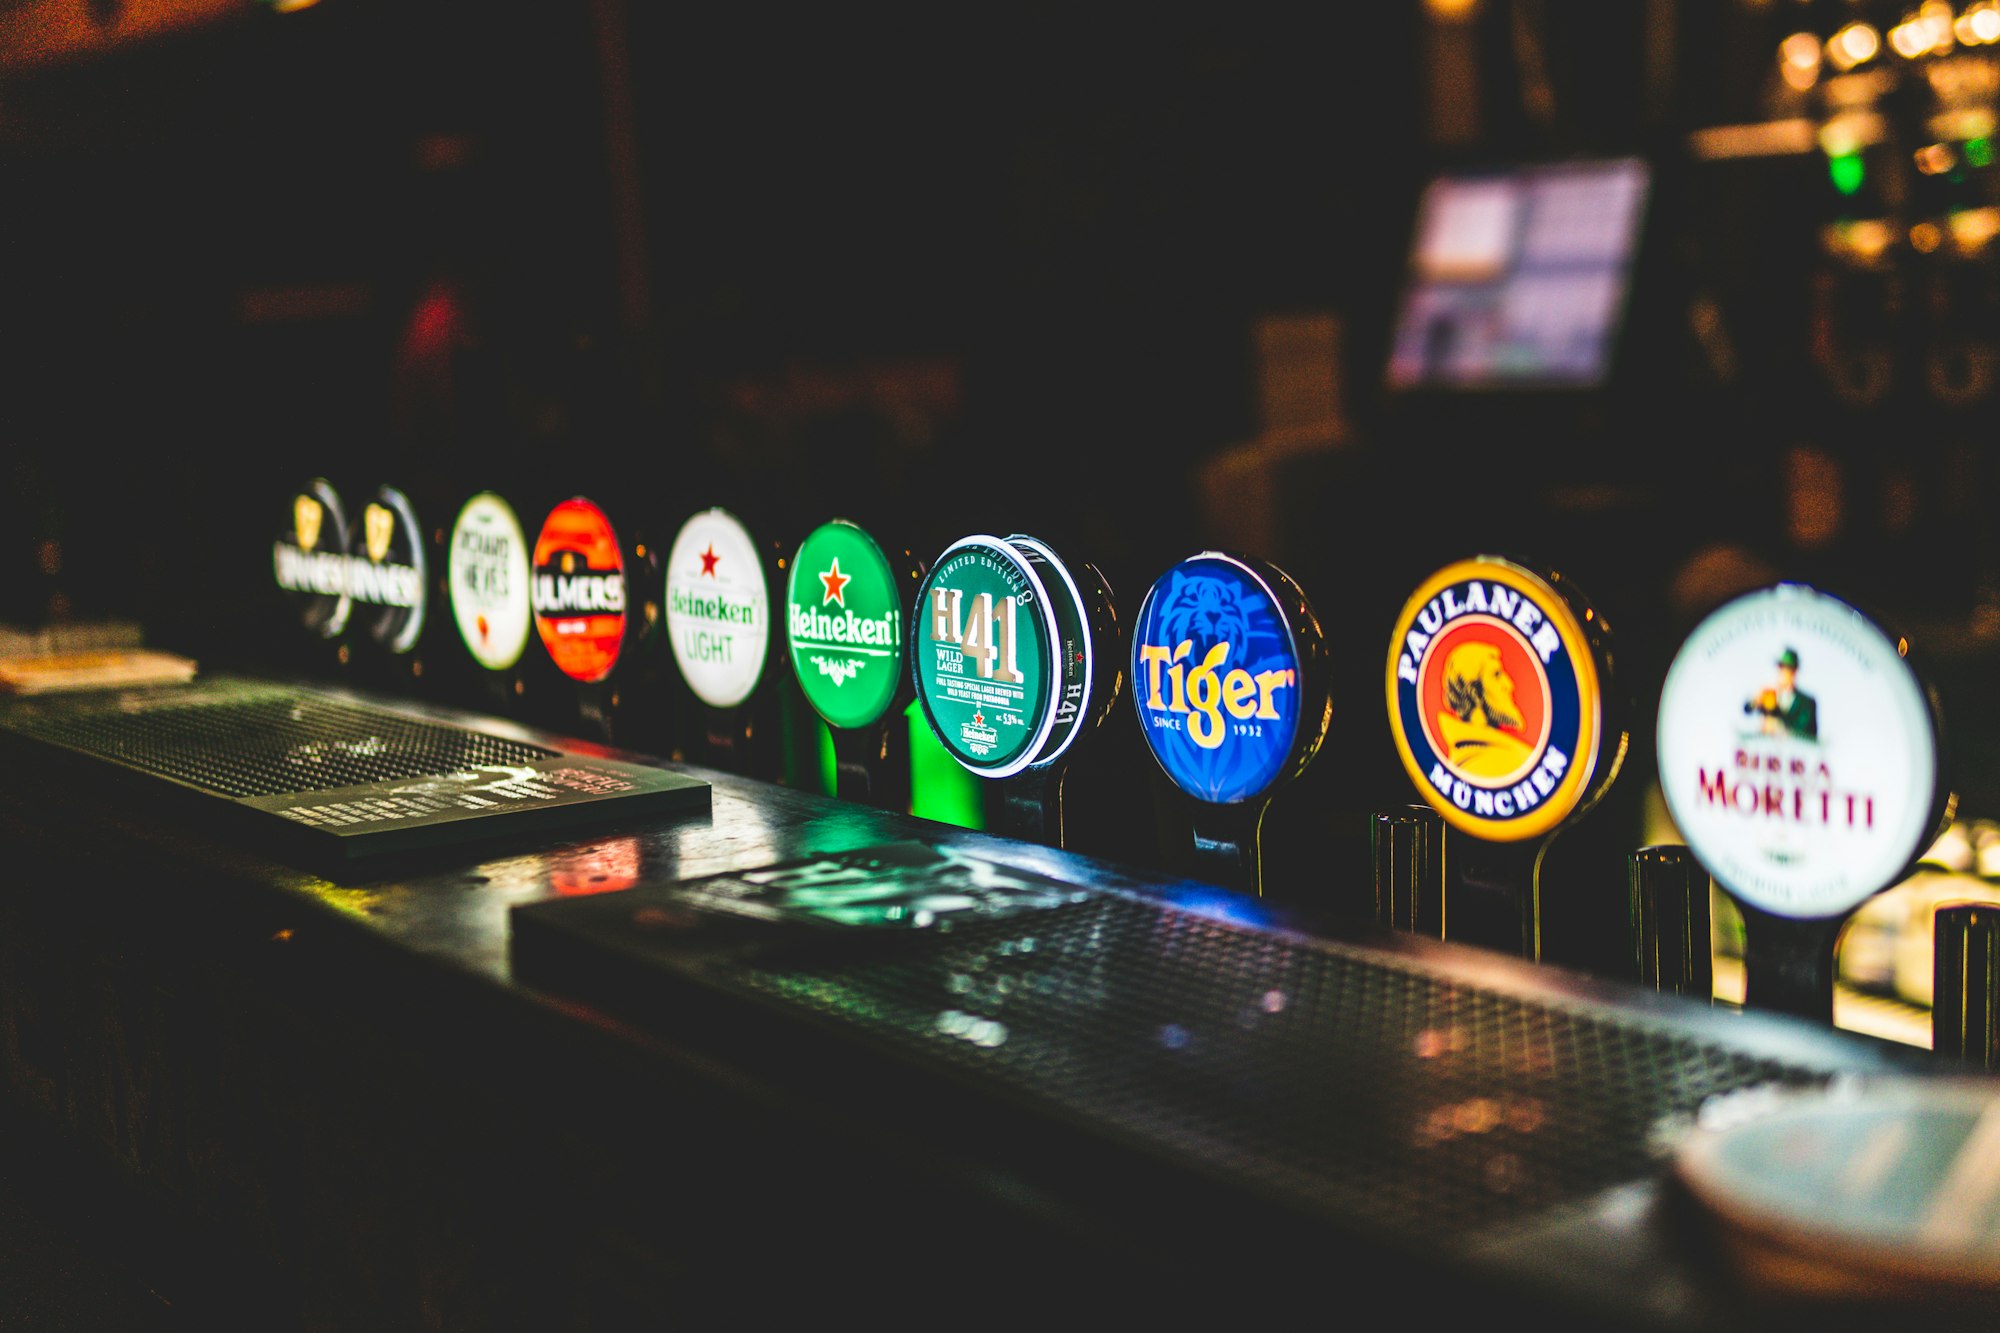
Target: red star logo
[(978, 718), (835, 582), (708, 559)]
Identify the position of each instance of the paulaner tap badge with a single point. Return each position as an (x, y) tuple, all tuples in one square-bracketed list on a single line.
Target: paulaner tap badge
[(1496, 699)]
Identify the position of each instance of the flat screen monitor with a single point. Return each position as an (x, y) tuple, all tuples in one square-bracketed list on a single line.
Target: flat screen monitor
[(1519, 277)]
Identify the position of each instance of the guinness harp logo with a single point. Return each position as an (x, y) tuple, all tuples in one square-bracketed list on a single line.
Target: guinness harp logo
[(378, 526), (306, 514)]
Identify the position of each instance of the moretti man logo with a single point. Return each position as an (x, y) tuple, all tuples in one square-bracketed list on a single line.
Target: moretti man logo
[(1216, 679), (718, 610), (1798, 752), (1494, 700), (579, 591), (845, 623)]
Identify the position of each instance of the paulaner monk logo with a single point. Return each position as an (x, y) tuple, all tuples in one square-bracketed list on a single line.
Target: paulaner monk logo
[(1494, 701)]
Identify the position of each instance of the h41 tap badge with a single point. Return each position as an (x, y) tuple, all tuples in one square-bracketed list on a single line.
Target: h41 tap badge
[(1495, 704)]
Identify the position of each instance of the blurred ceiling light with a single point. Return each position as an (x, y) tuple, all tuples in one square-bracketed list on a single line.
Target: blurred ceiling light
[(290, 6), (1926, 237), (1979, 25), (1853, 45), (1910, 40), (1798, 60), (1973, 228), (1934, 159), (1451, 9), (1935, 16), (1847, 134), (1866, 239)]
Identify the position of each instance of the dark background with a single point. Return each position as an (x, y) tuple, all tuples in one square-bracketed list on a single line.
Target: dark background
[(996, 270)]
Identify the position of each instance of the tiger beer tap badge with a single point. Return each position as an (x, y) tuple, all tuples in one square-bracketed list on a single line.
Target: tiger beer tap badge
[(579, 590), (309, 558), (1224, 677), (1799, 752), (1003, 657), (1496, 702)]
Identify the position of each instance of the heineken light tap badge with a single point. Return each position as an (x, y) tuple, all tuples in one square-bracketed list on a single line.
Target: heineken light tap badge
[(845, 619), (579, 590), (1800, 752), (718, 612), (488, 574), (1004, 654), (1496, 702), (386, 575), (1226, 678), (309, 558)]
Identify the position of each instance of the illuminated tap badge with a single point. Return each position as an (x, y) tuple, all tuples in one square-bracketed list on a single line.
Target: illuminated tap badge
[(1495, 704), (488, 574), (1799, 752), (1216, 671), (718, 611), (309, 559), (579, 590), (985, 656), (846, 625), (385, 571)]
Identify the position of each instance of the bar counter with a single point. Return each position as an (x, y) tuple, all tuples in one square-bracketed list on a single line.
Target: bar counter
[(343, 1099)]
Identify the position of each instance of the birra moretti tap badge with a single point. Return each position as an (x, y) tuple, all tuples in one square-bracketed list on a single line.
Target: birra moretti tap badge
[(489, 575), (1798, 752), (579, 590), (1216, 670), (1495, 704), (309, 559), (846, 625), (718, 611)]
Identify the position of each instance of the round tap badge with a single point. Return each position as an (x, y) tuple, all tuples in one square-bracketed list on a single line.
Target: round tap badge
[(1219, 676), (489, 575), (986, 656), (718, 612), (385, 571), (1495, 701), (1799, 752), (579, 590), (846, 624), (309, 558)]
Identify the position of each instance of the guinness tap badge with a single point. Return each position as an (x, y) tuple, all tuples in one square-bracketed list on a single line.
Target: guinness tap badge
[(579, 590), (388, 573), (1800, 752), (1495, 700), (315, 577)]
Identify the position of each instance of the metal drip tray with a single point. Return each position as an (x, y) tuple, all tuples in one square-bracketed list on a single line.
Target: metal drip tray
[(332, 775)]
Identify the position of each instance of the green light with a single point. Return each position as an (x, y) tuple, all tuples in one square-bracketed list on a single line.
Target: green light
[(1979, 152), (829, 763), (1846, 172), (941, 788)]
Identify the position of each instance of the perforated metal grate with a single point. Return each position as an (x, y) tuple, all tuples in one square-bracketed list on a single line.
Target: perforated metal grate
[(1376, 1088), (271, 741)]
